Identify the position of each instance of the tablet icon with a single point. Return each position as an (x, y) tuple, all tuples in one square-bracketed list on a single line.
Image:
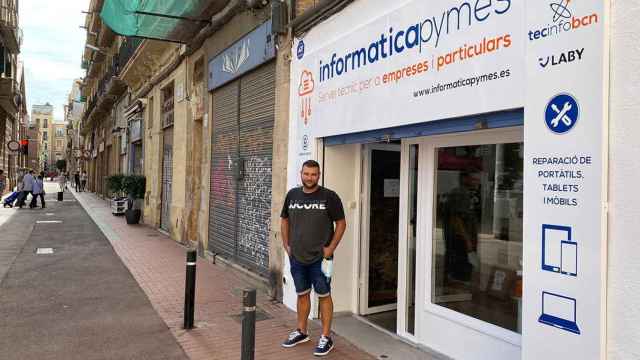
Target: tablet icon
[(559, 251), (559, 311)]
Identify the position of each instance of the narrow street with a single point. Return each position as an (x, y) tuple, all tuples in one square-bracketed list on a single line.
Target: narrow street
[(79, 302), (114, 291)]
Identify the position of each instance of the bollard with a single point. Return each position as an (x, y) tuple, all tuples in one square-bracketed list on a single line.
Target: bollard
[(190, 289), (248, 324)]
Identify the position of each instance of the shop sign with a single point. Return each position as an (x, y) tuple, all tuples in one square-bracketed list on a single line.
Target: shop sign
[(254, 49), (424, 63), (564, 308)]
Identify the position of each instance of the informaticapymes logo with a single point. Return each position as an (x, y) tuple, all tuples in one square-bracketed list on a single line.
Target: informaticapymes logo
[(305, 92), (423, 34), (563, 20)]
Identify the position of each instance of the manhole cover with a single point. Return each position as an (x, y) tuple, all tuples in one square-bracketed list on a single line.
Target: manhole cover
[(44, 251), (261, 315)]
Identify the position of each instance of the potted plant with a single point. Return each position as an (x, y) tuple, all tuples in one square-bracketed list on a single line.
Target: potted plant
[(134, 187), (115, 183)]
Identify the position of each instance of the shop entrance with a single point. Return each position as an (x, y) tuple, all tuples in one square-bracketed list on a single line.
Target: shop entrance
[(379, 242)]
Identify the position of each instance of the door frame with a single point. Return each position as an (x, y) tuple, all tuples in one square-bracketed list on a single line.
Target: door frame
[(365, 223)]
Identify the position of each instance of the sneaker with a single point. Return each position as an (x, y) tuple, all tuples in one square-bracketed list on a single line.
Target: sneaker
[(295, 338), (325, 345)]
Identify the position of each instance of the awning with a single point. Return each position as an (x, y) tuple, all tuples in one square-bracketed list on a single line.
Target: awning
[(169, 20)]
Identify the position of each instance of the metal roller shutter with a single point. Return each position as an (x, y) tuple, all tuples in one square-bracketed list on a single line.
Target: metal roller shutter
[(222, 213), (167, 179), (257, 106), (240, 213)]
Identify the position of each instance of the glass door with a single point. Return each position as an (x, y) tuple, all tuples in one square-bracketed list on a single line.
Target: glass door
[(379, 273)]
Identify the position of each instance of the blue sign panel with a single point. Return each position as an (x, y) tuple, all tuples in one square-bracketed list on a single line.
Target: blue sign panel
[(254, 49)]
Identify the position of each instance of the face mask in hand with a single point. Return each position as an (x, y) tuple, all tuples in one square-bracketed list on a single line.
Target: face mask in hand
[(327, 267)]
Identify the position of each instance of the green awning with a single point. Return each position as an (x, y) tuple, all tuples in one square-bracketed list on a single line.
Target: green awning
[(170, 20)]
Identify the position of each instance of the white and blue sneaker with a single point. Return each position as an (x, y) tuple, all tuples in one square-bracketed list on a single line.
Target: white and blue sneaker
[(325, 345), (296, 337)]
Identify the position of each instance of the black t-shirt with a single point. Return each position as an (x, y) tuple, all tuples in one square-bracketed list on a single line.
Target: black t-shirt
[(311, 218)]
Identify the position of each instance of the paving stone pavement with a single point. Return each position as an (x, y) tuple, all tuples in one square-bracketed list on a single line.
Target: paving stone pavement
[(158, 265)]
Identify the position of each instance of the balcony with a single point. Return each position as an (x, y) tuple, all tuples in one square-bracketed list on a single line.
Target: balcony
[(110, 87), (9, 25)]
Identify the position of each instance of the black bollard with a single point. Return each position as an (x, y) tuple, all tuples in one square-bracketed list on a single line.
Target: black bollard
[(248, 324), (190, 289)]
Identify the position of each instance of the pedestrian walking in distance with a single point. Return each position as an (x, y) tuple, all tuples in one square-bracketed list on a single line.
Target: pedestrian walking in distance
[(27, 188), (76, 180), (312, 225), (83, 181), (38, 191)]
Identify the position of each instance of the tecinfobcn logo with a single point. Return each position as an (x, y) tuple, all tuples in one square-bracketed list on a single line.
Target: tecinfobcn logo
[(563, 21)]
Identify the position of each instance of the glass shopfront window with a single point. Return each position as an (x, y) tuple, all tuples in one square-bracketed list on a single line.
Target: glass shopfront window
[(477, 239)]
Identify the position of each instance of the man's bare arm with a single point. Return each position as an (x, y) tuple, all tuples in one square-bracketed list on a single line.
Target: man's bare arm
[(341, 226), (284, 230)]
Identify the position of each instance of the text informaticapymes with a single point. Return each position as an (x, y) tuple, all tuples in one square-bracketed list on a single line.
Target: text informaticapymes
[(418, 35)]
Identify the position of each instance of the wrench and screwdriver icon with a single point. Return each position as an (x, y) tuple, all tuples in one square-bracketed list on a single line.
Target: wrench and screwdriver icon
[(562, 114)]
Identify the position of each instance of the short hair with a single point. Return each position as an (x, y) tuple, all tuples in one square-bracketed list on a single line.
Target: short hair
[(311, 164)]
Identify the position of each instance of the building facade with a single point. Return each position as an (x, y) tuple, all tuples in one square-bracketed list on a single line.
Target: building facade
[(11, 95), (483, 199), (42, 119), (176, 126), (73, 116), (52, 137), (482, 167)]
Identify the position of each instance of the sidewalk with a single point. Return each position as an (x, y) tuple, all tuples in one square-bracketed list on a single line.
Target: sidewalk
[(158, 265)]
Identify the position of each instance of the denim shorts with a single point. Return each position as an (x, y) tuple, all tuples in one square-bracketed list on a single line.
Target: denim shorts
[(305, 276)]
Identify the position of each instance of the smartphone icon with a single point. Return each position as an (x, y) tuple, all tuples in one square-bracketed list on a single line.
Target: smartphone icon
[(569, 258)]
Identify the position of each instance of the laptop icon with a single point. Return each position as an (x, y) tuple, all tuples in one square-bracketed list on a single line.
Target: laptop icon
[(559, 311)]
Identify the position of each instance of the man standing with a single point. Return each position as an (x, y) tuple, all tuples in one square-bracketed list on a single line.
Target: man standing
[(309, 238), (38, 190), (27, 188)]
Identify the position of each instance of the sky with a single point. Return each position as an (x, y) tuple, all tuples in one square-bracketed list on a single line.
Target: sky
[(52, 49)]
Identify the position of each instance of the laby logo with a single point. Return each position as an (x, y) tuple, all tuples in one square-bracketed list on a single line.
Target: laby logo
[(562, 58), (305, 89), (563, 21)]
